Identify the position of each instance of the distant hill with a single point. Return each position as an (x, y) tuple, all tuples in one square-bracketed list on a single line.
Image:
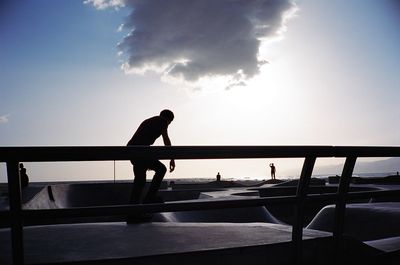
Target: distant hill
[(390, 165)]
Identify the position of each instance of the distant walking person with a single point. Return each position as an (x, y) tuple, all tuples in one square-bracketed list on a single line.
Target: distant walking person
[(23, 175), (147, 133), (273, 170)]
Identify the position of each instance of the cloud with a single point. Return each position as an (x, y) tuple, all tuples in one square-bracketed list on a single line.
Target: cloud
[(103, 4), (4, 118), (190, 40), (201, 38)]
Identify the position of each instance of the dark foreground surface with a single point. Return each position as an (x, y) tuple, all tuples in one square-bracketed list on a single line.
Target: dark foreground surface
[(181, 243), (157, 243)]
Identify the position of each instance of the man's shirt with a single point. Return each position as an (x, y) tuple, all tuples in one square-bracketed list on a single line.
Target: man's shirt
[(148, 131)]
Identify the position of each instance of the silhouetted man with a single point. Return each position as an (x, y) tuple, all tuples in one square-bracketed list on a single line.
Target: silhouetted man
[(273, 170), (147, 133)]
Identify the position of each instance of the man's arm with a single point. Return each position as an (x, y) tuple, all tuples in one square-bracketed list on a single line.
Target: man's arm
[(167, 142), (165, 137)]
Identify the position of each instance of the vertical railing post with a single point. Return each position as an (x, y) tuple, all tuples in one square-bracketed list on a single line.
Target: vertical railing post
[(302, 189), (15, 199), (340, 209)]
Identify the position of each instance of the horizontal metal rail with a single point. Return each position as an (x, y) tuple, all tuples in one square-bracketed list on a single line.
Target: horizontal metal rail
[(13, 155), (101, 153)]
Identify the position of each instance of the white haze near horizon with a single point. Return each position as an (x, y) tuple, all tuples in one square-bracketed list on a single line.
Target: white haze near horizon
[(89, 171)]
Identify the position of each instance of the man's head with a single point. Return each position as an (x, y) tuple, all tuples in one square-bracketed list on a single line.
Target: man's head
[(168, 115)]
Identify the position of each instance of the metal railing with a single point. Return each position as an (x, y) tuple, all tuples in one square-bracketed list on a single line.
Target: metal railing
[(16, 215)]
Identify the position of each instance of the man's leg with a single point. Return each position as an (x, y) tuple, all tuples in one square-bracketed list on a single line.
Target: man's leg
[(138, 184), (139, 170), (160, 170)]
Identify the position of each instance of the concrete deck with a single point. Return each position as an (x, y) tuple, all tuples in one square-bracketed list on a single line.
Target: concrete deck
[(163, 243)]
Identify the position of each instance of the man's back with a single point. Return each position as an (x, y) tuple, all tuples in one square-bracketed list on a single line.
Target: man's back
[(148, 131)]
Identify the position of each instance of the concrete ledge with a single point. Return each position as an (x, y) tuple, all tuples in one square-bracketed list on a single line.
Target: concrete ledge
[(390, 244), (154, 243)]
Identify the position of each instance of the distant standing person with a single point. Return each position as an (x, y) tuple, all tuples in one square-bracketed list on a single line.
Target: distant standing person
[(218, 177), (23, 175), (147, 133), (273, 170)]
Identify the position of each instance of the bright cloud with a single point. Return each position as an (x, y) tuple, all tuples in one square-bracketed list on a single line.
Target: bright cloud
[(4, 118), (103, 4), (201, 38)]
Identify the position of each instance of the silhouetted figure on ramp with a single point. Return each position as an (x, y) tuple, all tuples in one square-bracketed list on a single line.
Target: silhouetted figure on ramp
[(273, 170), (147, 133), (24, 177)]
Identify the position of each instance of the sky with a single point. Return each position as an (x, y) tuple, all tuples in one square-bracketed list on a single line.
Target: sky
[(234, 72)]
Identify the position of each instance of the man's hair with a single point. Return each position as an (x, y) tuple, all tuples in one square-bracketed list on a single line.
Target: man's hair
[(169, 115)]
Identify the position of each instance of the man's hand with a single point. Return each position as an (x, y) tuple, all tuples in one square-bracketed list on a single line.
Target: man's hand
[(171, 165)]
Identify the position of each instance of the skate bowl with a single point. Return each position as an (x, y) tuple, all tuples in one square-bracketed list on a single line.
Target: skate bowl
[(61, 196)]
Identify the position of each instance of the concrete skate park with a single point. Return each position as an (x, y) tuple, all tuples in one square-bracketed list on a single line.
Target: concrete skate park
[(213, 223)]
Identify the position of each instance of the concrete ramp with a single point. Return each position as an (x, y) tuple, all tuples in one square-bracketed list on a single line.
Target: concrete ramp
[(364, 221), (95, 194), (233, 215)]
